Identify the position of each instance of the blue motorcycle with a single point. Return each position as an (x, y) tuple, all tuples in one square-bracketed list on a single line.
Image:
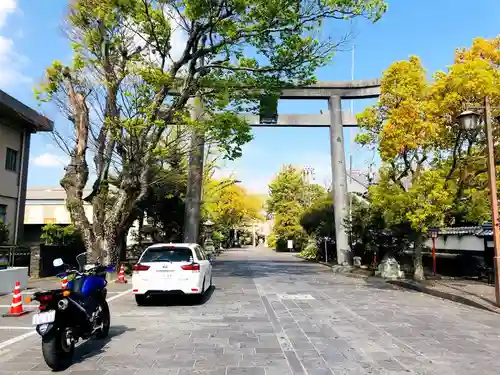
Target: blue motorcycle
[(79, 311)]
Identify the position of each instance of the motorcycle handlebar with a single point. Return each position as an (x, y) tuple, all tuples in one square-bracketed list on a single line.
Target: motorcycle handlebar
[(80, 273)]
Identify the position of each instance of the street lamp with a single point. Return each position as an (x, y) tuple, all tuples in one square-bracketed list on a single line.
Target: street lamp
[(469, 120)]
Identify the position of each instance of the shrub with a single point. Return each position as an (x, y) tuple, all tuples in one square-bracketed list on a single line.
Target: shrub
[(53, 234), (271, 240), (311, 249)]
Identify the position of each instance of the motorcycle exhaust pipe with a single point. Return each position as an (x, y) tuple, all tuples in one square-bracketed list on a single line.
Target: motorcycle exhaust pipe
[(63, 304)]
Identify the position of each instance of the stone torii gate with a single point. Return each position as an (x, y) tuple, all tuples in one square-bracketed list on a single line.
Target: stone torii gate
[(335, 119)]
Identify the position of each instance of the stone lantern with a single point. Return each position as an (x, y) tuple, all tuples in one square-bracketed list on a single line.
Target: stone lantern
[(209, 243)]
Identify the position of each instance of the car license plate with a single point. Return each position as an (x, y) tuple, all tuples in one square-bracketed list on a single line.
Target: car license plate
[(44, 317), (166, 274)]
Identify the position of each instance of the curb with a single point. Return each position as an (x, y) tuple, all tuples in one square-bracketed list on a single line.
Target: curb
[(337, 272), (444, 295)]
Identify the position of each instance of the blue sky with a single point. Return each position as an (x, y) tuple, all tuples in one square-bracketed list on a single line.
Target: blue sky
[(31, 37)]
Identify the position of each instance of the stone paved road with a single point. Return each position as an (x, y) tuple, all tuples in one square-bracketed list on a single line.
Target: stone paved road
[(271, 314)]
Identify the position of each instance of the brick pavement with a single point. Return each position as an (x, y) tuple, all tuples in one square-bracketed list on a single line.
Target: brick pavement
[(272, 314)]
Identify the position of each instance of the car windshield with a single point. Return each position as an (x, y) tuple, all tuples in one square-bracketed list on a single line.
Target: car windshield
[(167, 254)]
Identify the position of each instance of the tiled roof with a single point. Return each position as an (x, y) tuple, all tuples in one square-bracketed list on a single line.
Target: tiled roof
[(11, 107), (49, 193), (460, 231), (479, 230), (486, 230), (485, 233)]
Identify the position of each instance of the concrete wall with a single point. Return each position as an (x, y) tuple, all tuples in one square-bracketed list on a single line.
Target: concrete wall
[(454, 242), (9, 277), (11, 138), (13, 183), (9, 180)]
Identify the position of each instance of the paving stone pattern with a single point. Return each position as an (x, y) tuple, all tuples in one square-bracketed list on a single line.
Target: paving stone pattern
[(272, 314)]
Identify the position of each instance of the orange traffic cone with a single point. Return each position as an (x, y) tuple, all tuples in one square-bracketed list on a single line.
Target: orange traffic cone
[(16, 308), (64, 283), (121, 276)]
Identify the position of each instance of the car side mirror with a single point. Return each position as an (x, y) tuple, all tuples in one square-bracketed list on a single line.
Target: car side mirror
[(58, 262), (211, 258)]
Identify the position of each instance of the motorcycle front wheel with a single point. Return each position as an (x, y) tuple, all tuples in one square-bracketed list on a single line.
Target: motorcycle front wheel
[(105, 318), (58, 348)]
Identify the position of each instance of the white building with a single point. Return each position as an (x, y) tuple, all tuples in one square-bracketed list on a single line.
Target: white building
[(47, 205), (17, 123)]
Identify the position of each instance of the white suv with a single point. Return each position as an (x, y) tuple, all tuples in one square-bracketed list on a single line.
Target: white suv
[(167, 268)]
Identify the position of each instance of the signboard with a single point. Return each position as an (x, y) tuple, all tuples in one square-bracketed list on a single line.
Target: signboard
[(290, 244), (268, 111)]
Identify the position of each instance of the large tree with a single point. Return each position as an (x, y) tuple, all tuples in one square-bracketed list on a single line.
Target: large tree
[(130, 80), (229, 205), (290, 196), (433, 171)]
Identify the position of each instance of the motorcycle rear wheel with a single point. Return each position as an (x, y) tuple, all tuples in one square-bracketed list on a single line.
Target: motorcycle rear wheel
[(57, 349)]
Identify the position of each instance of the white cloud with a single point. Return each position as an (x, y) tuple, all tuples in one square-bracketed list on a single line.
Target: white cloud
[(48, 160), (6, 7), (179, 36), (11, 62)]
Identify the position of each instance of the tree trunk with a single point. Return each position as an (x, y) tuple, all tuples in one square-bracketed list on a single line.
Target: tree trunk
[(77, 171), (418, 273), (112, 247), (118, 222), (123, 246)]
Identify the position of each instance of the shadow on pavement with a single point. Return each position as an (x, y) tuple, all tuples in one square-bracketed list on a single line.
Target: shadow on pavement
[(93, 346), (181, 300), (418, 288), (256, 268), (261, 268), (475, 295)]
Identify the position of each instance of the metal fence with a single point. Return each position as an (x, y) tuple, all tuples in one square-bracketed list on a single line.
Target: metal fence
[(16, 256)]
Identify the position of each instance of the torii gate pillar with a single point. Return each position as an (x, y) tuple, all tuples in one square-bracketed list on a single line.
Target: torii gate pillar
[(339, 181)]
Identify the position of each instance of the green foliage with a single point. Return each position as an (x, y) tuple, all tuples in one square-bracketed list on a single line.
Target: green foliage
[(165, 202), (290, 195), (372, 235), (218, 238), (4, 233), (287, 186), (271, 240), (433, 171), (311, 249), (287, 226), (319, 218), (229, 205), (57, 235)]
